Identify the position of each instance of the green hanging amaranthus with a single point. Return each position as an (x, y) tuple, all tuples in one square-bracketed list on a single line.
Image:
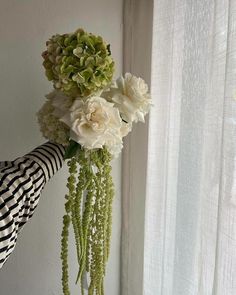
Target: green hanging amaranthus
[(91, 224)]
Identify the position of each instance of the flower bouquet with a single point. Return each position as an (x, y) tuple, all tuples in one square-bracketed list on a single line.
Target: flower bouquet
[(89, 114)]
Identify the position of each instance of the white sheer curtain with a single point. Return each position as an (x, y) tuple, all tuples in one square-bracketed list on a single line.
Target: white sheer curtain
[(190, 208)]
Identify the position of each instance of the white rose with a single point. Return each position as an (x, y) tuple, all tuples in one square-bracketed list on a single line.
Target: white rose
[(131, 97), (95, 123)]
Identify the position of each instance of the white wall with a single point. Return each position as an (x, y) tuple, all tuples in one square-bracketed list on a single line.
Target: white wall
[(137, 60), (34, 268)]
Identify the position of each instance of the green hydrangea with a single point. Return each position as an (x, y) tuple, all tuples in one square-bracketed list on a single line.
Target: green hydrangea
[(79, 64)]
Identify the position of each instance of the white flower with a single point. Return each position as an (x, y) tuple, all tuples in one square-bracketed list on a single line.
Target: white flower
[(131, 97), (60, 102), (95, 123), (50, 126)]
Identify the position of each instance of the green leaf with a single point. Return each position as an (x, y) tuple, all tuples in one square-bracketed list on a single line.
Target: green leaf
[(72, 149)]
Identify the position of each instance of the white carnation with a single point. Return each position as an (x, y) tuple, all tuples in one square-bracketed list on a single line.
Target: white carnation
[(95, 123), (131, 97)]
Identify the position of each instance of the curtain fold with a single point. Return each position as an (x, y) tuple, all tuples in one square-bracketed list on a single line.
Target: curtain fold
[(190, 215)]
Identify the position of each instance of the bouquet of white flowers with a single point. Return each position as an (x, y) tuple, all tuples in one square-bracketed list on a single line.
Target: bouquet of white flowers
[(89, 114)]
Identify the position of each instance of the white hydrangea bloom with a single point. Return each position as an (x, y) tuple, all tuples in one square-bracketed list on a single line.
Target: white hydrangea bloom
[(60, 102), (50, 126)]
